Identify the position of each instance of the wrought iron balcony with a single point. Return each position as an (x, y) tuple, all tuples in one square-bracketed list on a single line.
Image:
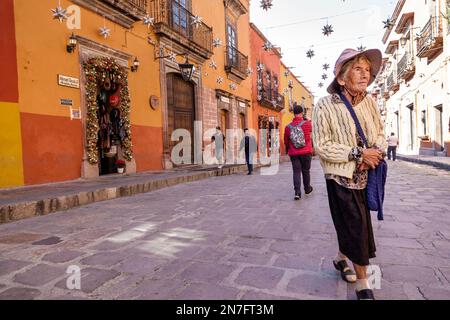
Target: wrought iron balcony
[(236, 62), (430, 41), (122, 12), (272, 99), (391, 83), (176, 23), (406, 67)]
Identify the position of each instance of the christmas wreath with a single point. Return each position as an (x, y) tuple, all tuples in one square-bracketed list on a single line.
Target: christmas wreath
[(98, 71)]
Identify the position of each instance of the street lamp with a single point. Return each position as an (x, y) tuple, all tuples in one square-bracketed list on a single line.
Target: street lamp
[(135, 65), (187, 70), (72, 43)]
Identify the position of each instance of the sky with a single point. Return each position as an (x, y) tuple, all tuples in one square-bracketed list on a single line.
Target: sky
[(296, 26)]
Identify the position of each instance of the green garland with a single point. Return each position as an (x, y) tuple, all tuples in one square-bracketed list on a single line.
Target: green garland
[(95, 70)]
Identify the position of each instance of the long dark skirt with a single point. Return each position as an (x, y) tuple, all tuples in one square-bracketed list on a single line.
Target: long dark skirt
[(351, 218)]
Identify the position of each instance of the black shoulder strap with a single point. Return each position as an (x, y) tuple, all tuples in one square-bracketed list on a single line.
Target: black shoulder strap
[(355, 118)]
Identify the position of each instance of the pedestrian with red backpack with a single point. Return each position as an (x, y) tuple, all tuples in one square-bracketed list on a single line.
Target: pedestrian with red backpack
[(297, 139)]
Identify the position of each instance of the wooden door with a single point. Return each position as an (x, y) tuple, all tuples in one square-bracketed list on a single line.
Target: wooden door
[(181, 108), (439, 137)]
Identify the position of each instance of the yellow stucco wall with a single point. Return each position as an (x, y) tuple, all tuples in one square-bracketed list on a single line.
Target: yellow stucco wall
[(213, 14), (11, 173), (41, 55)]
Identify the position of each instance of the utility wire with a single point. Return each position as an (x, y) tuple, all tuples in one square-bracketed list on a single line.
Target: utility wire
[(315, 19)]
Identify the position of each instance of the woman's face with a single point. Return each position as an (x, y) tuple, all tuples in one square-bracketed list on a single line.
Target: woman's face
[(357, 77)]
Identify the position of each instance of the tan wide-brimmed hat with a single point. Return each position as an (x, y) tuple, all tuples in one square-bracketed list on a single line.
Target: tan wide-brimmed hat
[(374, 56)]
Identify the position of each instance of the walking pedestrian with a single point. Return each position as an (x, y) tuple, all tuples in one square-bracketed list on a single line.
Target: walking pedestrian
[(219, 139), (297, 139), (248, 143), (392, 146), (345, 160)]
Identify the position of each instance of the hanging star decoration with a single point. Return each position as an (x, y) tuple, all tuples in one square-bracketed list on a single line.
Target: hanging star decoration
[(327, 30), (310, 53), (213, 64), (59, 13), (148, 21), (172, 56), (324, 76), (320, 84), (260, 67), (266, 4), (219, 80), (267, 46), (326, 66), (388, 23), (286, 73), (249, 71), (233, 86), (197, 21), (217, 42), (361, 48), (290, 83), (105, 32)]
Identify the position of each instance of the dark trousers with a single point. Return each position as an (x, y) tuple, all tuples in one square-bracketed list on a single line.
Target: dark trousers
[(394, 153), (247, 160), (301, 166)]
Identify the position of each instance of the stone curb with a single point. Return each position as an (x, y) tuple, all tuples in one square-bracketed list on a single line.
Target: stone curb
[(23, 210), (436, 164)]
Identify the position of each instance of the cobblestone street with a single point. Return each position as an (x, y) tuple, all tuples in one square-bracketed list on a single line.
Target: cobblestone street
[(231, 237)]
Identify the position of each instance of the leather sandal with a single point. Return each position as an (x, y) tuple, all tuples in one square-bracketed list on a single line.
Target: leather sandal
[(365, 294), (345, 270)]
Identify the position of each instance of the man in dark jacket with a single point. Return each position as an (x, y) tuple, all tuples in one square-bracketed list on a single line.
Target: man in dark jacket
[(300, 157), (249, 144)]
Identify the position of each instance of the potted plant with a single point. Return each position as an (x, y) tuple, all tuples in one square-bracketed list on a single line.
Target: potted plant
[(120, 165)]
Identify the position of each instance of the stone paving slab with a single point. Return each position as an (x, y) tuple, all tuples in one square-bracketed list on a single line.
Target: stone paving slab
[(230, 237)]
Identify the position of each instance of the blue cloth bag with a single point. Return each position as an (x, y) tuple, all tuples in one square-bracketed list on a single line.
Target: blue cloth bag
[(377, 177)]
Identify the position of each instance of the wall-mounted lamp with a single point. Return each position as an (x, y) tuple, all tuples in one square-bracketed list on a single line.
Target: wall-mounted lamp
[(187, 70), (71, 44), (135, 65)]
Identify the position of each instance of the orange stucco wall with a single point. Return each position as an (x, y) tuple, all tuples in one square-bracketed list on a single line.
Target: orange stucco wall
[(52, 150), (147, 147)]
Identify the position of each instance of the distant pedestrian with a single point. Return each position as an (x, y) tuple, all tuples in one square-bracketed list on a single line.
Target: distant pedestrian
[(219, 139), (345, 160), (392, 146), (248, 143), (297, 140)]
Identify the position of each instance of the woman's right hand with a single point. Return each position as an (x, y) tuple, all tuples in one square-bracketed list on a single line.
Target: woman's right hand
[(372, 157)]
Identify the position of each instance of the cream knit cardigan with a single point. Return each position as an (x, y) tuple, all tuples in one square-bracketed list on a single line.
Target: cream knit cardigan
[(334, 132)]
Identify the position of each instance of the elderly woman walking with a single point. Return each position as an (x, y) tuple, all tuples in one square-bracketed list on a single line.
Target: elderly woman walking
[(346, 160)]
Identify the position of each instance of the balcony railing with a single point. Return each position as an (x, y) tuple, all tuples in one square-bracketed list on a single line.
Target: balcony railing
[(406, 67), (176, 22), (236, 62), (392, 83), (430, 42), (272, 99)]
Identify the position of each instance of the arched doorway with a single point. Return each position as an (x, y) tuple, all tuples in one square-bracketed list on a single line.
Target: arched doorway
[(180, 108)]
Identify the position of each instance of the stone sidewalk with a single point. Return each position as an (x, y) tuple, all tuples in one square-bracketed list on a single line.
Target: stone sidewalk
[(438, 162), (234, 237), (25, 202)]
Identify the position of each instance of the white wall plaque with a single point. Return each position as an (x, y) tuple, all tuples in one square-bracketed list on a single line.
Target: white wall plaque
[(67, 81)]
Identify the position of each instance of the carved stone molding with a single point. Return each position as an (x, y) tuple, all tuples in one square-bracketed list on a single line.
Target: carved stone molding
[(124, 12), (236, 7)]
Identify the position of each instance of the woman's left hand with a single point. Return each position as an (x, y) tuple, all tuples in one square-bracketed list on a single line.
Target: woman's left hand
[(363, 166)]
